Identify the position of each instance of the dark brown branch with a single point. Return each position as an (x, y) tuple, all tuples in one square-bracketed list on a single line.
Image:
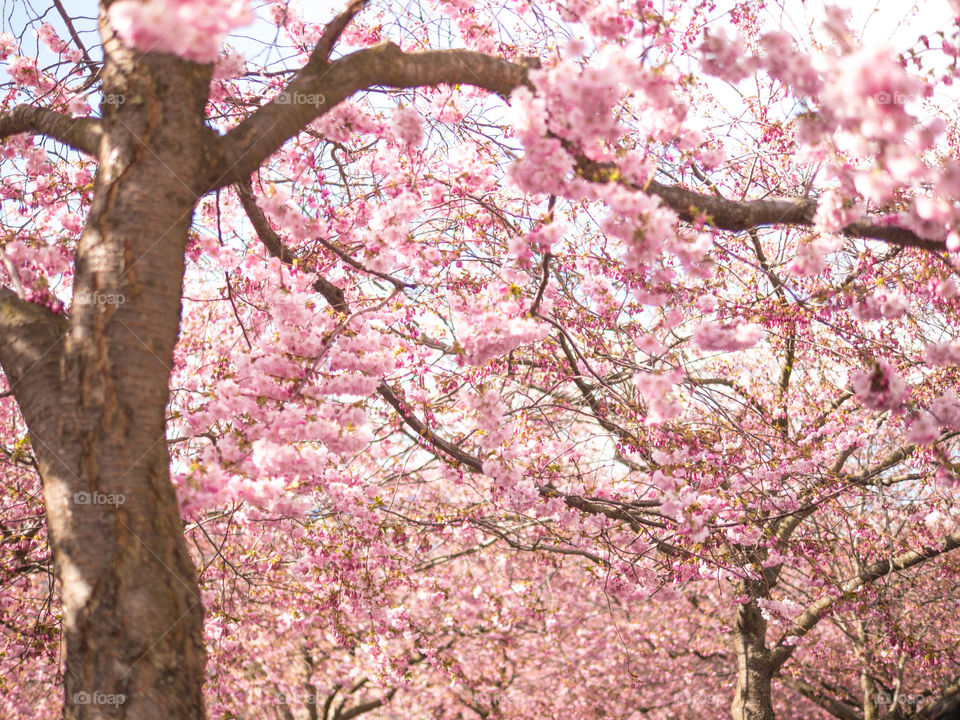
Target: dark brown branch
[(544, 279), (744, 215), (333, 31), (741, 215), (832, 706), (365, 707), (419, 427), (612, 510), (30, 337), (275, 246), (75, 36), (79, 133), (595, 407), (399, 284), (270, 239)]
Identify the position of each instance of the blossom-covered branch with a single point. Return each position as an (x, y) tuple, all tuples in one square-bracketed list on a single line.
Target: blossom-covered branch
[(742, 215), (274, 244), (320, 86), (820, 609)]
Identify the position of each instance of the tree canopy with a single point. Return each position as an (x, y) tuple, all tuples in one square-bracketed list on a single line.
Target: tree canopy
[(465, 359)]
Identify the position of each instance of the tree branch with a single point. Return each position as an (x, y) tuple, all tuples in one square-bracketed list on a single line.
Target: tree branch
[(365, 707), (321, 85), (743, 215), (79, 133), (31, 347), (333, 31), (834, 707), (275, 246), (75, 36), (819, 610), (418, 426)]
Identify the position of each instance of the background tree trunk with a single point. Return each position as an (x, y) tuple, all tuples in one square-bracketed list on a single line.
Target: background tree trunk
[(752, 697)]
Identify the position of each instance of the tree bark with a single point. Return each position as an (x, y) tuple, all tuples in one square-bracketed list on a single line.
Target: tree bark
[(94, 389), (752, 697)]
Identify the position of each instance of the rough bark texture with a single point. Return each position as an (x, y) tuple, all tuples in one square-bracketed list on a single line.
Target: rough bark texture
[(94, 392), (752, 697)]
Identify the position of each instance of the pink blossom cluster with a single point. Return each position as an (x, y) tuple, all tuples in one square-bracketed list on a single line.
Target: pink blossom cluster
[(943, 414), (726, 336), (8, 45), (943, 353), (407, 125), (194, 30), (604, 18), (492, 335), (490, 410), (879, 305), (656, 389), (880, 388)]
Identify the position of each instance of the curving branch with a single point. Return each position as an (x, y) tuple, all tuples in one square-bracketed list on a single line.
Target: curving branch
[(31, 351), (79, 133), (472, 463), (333, 31), (30, 340), (822, 607), (365, 707), (320, 85), (275, 246)]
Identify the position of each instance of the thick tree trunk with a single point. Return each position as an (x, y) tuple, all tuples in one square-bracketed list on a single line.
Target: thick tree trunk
[(752, 697), (95, 398)]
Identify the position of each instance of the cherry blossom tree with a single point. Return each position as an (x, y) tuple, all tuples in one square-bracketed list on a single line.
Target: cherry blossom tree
[(451, 359)]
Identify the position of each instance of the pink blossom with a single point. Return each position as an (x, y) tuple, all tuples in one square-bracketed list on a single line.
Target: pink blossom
[(783, 62), (48, 36), (945, 353), (716, 336), (491, 336), (881, 388), (24, 70), (656, 389), (192, 30), (8, 45), (407, 126), (724, 57), (924, 429), (834, 212)]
